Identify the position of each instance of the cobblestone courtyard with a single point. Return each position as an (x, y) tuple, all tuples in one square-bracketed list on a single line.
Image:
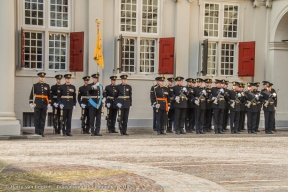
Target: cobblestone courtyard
[(144, 161)]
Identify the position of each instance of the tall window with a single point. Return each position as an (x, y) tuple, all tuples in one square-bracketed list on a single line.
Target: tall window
[(37, 28), (139, 25), (221, 28)]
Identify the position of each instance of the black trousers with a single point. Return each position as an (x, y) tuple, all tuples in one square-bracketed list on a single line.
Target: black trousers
[(242, 121), (180, 114), (124, 119), (274, 126), (269, 120), (95, 113), (67, 118), (208, 119), (199, 119), (154, 119), (251, 121), (56, 119), (225, 119), (257, 121), (39, 120), (234, 121), (218, 119), (112, 117), (86, 124), (171, 114), (190, 119), (161, 119)]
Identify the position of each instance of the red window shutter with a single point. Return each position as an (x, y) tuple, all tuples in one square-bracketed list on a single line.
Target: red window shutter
[(76, 51), (22, 48), (166, 56), (246, 58)]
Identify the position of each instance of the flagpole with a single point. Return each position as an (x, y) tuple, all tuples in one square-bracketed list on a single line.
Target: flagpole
[(97, 21)]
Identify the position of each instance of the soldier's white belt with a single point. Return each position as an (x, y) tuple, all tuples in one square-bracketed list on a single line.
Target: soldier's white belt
[(67, 97), (84, 97), (54, 97), (110, 97), (123, 97), (93, 97)]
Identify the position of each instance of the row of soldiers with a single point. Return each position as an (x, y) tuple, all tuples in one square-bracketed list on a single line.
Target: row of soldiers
[(198, 105), (90, 97)]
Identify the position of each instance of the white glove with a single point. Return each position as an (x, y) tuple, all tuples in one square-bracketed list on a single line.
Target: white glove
[(274, 94), (222, 90), (257, 97), (153, 106), (184, 89), (239, 94), (55, 105), (168, 108), (108, 105), (95, 86), (119, 105), (48, 106), (31, 105), (275, 108), (74, 107), (83, 105), (196, 101), (213, 98), (204, 91), (177, 98), (130, 107), (158, 106), (61, 106)]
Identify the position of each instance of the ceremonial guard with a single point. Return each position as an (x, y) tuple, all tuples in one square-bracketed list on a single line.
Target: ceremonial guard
[(200, 101), (153, 107), (226, 110), (83, 102), (208, 111), (269, 99), (179, 93), (234, 97), (171, 112), (251, 107), (41, 103), (109, 94), (123, 99), (242, 108), (67, 103), (259, 104), (218, 105), (161, 100), (56, 110), (190, 115), (95, 93)]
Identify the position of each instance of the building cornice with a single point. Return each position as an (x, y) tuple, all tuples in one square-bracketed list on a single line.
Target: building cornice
[(258, 3), (278, 46)]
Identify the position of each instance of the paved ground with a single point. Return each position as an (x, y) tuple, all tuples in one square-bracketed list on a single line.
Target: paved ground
[(144, 161)]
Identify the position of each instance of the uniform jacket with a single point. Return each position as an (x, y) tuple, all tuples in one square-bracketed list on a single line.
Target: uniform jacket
[(83, 95), (54, 93), (94, 94), (176, 90), (209, 101), (67, 96), (161, 93), (250, 96), (109, 94), (232, 97), (124, 95), (267, 96), (221, 100), (197, 93), (40, 89), (190, 96)]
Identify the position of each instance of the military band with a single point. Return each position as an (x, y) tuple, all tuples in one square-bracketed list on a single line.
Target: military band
[(174, 106)]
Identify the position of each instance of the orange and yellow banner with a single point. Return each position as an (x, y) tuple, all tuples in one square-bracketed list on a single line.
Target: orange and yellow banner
[(98, 55)]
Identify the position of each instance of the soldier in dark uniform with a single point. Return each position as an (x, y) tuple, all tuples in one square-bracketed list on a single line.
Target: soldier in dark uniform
[(179, 94), (200, 101), (161, 100), (208, 111), (259, 104), (218, 106), (41, 103), (67, 103), (123, 100), (95, 92), (269, 99), (194, 106), (242, 108), (153, 107), (56, 109), (109, 94), (190, 116), (251, 108), (234, 97), (83, 102), (226, 110), (171, 112)]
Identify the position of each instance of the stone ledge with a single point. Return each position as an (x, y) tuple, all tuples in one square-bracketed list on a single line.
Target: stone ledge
[(15, 137)]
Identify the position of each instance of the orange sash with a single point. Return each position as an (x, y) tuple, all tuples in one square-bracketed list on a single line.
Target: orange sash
[(163, 99), (43, 96)]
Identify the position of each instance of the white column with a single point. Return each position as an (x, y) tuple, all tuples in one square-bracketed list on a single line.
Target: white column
[(8, 123)]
